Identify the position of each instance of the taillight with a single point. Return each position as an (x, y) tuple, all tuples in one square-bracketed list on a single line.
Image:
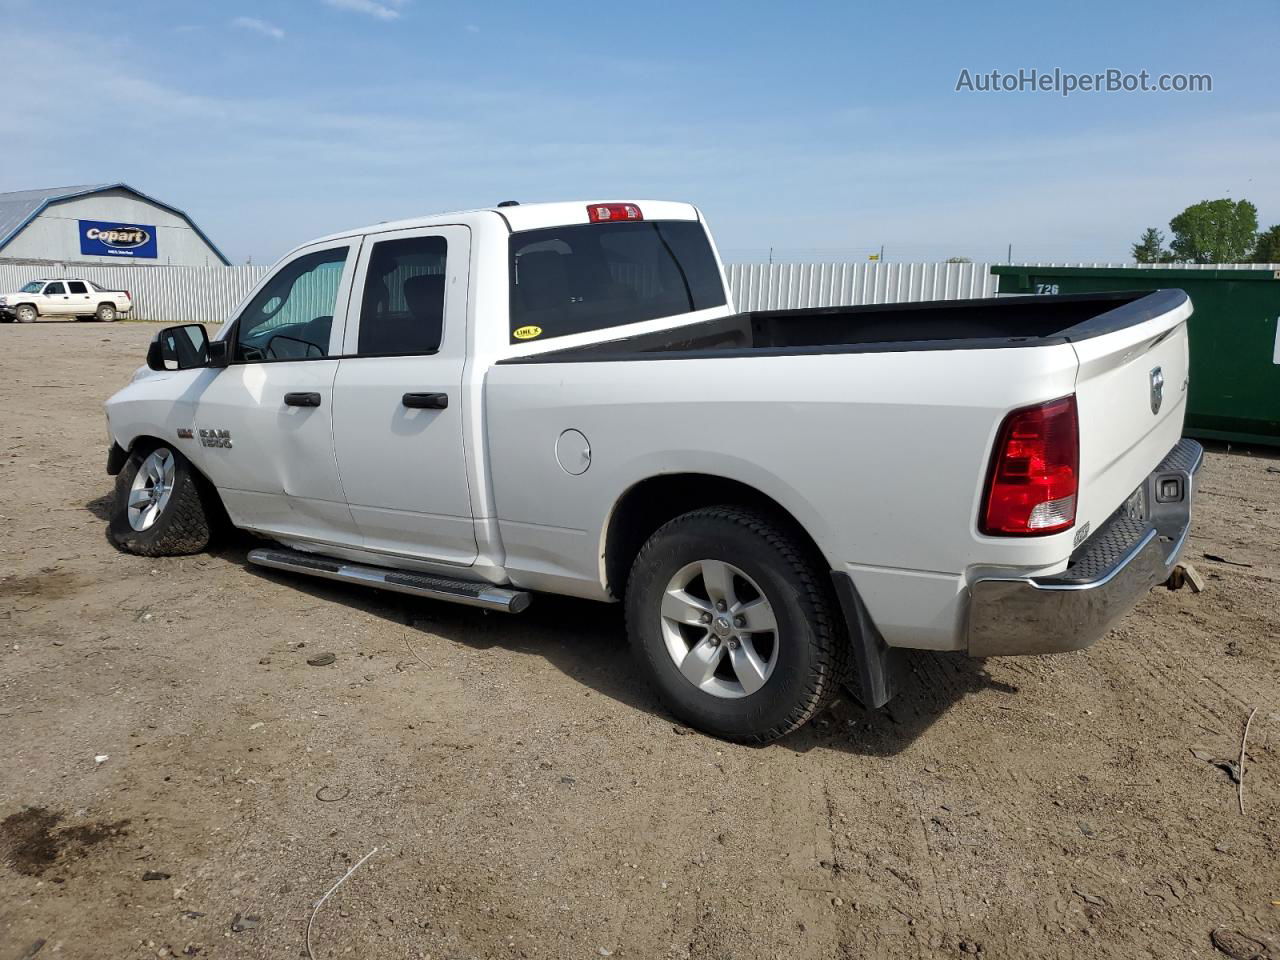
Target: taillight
[(1035, 471), (609, 212)]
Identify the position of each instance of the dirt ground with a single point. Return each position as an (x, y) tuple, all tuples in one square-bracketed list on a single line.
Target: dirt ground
[(176, 780)]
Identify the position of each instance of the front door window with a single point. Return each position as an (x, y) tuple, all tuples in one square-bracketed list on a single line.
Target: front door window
[(292, 316)]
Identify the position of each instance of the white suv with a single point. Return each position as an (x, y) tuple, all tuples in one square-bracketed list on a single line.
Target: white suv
[(68, 297)]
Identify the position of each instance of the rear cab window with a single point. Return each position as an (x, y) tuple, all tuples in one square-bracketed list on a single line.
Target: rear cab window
[(575, 279)]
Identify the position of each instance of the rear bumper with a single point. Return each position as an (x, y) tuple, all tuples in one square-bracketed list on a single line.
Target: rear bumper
[(1110, 573)]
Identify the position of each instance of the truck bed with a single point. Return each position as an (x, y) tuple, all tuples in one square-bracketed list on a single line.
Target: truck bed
[(941, 325), (872, 426)]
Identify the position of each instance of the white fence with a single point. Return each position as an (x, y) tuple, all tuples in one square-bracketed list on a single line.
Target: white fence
[(209, 294), (171, 294), (787, 286)]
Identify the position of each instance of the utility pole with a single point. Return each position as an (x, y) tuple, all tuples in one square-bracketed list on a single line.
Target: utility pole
[(1010, 257), (882, 253), (771, 256)]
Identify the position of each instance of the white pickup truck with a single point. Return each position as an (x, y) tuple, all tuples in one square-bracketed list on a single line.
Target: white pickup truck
[(65, 297), (560, 397)]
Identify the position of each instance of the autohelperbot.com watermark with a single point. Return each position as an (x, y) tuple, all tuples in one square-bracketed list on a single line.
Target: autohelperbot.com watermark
[(1065, 83)]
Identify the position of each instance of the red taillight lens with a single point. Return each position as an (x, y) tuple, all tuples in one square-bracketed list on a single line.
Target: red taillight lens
[(609, 212), (1035, 471)]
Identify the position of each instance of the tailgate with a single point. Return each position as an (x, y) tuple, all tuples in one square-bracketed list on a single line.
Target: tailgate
[(1131, 393)]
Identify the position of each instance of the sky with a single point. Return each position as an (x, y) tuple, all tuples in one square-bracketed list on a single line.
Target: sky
[(803, 130)]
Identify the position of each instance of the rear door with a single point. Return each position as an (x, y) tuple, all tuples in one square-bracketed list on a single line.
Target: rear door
[(78, 297), (398, 396), (263, 426), (1131, 393)]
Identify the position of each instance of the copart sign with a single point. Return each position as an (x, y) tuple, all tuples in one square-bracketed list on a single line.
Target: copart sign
[(101, 239)]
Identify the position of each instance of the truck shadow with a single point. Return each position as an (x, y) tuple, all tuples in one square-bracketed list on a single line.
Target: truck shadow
[(587, 642), (1248, 451), (930, 684)]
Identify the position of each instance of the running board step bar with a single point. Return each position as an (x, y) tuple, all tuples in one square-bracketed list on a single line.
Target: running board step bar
[(468, 592)]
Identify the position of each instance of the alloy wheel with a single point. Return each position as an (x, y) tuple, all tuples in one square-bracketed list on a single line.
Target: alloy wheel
[(151, 489), (719, 628)]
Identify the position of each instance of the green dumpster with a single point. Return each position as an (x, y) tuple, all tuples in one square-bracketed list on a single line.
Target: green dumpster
[(1235, 340)]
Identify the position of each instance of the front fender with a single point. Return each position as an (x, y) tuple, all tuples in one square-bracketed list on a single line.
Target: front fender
[(155, 404)]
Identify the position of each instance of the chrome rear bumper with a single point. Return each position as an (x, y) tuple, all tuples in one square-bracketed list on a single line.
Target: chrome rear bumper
[(1110, 573)]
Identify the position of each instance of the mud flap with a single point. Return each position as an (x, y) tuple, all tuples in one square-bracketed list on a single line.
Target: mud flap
[(875, 664), (116, 456)]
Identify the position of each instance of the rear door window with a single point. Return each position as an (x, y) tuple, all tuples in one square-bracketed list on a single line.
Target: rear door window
[(403, 307), (592, 276), (75, 286)]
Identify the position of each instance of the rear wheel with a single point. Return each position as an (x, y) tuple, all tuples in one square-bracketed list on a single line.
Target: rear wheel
[(734, 625), (158, 510), (106, 312), (26, 313)]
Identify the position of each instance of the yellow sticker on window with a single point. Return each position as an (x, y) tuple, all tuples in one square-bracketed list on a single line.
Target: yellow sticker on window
[(527, 333)]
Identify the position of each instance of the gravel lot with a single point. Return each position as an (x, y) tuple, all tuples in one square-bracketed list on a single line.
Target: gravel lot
[(528, 798)]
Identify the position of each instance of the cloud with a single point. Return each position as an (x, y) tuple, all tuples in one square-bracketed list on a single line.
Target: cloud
[(259, 26), (379, 11), (472, 28)]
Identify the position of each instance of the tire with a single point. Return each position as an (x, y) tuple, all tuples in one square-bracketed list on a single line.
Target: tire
[(797, 666), (26, 313), (178, 525), (106, 312)]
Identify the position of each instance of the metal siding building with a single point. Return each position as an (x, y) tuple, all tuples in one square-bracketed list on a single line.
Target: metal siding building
[(62, 226)]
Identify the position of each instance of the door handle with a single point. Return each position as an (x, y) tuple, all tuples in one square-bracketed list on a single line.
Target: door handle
[(302, 399), (426, 401)]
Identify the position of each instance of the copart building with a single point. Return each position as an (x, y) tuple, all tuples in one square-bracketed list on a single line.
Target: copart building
[(100, 224)]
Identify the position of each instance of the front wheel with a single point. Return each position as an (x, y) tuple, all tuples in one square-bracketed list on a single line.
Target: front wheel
[(734, 625), (26, 313), (158, 510)]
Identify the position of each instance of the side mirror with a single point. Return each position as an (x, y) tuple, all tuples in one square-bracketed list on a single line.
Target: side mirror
[(179, 348)]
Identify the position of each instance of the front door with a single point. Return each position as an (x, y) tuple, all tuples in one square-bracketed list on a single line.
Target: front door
[(398, 416), (56, 301), (263, 426)]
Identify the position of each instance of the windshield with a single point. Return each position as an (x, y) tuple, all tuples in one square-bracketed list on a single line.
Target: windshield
[(592, 276), (33, 287)]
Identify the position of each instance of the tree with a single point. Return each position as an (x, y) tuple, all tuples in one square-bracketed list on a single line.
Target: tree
[(1150, 247), (1215, 231), (959, 260), (1268, 248)]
